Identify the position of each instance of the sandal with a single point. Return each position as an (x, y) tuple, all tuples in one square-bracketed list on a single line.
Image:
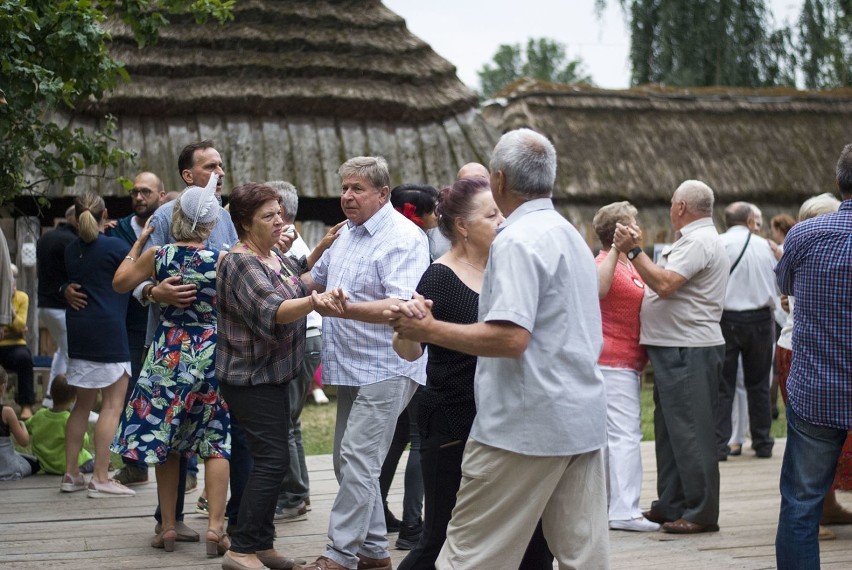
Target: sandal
[(165, 540), (219, 544), (201, 506)]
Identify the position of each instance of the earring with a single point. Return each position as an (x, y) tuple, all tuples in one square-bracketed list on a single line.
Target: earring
[(465, 239)]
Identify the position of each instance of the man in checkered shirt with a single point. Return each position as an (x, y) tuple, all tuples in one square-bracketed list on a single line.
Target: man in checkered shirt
[(378, 260), (817, 270)]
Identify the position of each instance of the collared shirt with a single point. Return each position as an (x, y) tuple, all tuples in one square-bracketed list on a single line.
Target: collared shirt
[(751, 285), (251, 348), (817, 269), (690, 316), (382, 258), (541, 276)]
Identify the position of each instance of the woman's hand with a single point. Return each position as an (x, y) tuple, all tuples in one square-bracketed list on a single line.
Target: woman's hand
[(324, 243), (329, 304), (146, 232), (627, 237)]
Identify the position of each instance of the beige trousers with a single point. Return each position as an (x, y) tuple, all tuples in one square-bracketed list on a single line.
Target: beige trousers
[(502, 497)]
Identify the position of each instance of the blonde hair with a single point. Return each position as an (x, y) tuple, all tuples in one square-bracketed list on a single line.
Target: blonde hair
[(90, 210), (817, 206)]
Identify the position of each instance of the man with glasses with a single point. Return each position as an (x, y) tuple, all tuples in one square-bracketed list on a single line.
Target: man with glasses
[(145, 198)]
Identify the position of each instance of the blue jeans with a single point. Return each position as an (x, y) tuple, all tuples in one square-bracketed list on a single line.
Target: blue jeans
[(807, 471)]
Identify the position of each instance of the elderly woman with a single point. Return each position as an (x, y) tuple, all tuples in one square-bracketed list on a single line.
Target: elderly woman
[(621, 361), (175, 408), (262, 309), (14, 354)]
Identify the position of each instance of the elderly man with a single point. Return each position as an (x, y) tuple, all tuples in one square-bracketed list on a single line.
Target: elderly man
[(378, 260), (680, 329), (816, 268), (145, 198), (748, 327), (536, 447)]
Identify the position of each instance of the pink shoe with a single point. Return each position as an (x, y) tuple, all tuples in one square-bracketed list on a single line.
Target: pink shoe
[(108, 489), (72, 484)]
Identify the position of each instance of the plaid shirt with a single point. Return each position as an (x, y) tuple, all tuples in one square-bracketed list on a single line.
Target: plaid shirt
[(251, 348), (817, 270), (382, 258)]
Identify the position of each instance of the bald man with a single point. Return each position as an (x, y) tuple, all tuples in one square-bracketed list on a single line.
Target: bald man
[(472, 169)]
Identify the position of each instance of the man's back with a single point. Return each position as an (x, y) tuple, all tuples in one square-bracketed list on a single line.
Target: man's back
[(50, 255)]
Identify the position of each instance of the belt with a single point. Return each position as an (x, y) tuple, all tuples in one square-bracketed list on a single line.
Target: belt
[(755, 312)]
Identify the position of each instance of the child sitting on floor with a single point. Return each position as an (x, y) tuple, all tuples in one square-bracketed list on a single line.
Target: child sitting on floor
[(13, 465), (47, 428)]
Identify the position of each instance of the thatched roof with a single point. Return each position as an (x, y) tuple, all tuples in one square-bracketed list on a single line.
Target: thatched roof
[(768, 146), (289, 90)]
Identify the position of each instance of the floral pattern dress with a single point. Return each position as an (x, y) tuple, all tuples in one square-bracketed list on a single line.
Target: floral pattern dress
[(176, 406)]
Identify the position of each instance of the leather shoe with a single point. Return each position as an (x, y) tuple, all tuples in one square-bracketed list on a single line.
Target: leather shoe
[(366, 563), (763, 453), (654, 516), (277, 561), (184, 533), (683, 526), (322, 563)]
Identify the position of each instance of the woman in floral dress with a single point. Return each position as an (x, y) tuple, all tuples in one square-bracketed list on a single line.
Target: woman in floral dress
[(176, 408)]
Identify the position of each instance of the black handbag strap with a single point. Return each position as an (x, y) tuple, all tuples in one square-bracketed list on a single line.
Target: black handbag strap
[(734, 266)]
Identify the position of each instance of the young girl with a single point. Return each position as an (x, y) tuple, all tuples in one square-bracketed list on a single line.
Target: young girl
[(13, 465)]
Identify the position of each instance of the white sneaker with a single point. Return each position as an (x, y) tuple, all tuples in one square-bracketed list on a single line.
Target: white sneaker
[(319, 396), (108, 489), (639, 524)]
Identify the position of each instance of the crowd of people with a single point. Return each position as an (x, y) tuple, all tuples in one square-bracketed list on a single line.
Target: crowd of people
[(469, 322)]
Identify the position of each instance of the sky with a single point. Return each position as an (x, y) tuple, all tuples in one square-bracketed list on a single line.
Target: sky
[(468, 32)]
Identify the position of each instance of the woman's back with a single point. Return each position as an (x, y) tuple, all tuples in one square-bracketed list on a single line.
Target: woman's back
[(194, 265)]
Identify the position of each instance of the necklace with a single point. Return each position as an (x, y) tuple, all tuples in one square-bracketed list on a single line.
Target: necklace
[(480, 269)]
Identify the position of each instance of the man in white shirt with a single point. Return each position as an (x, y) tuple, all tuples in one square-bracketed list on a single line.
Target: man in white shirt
[(683, 302), (536, 447), (748, 327)]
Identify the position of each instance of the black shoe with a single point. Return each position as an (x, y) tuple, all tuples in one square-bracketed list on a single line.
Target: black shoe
[(409, 535), (764, 452), (392, 523)]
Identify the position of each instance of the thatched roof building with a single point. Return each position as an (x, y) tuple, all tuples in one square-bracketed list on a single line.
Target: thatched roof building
[(289, 90), (773, 147)]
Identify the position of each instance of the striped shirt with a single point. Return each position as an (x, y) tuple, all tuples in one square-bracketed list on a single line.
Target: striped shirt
[(382, 258), (817, 269), (251, 348)]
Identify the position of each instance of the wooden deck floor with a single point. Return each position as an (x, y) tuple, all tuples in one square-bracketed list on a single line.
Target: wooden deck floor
[(42, 528)]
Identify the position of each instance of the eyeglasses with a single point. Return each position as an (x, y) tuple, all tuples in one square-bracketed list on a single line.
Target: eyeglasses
[(144, 191)]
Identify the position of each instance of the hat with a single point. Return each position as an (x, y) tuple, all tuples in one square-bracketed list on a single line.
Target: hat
[(200, 204)]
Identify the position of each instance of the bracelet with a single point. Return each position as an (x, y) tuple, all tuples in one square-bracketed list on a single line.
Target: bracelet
[(150, 294), (131, 258)]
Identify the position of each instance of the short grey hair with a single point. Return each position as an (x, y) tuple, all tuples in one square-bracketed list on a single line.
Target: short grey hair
[(373, 169), (611, 214), (528, 161), (288, 198), (182, 223), (818, 205), (697, 196)]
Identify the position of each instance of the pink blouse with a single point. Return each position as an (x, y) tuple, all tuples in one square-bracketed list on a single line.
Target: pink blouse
[(620, 316)]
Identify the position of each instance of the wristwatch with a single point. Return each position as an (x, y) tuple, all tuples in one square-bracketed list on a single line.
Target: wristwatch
[(633, 253)]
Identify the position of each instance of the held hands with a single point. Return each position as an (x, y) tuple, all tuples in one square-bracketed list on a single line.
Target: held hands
[(627, 237), (75, 298), (329, 304), (411, 319)]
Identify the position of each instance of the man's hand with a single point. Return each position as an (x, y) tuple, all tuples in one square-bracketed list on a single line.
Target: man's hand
[(170, 292), (412, 319), (330, 303), (75, 298), (627, 237)]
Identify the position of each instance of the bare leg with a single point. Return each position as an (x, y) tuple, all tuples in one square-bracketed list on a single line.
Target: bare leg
[(75, 429), (216, 472), (168, 474), (111, 408)]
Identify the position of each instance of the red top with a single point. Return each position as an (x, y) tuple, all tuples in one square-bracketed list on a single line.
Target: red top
[(620, 316)]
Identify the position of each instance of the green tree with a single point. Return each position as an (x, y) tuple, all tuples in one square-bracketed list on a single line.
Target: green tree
[(56, 56), (825, 43), (543, 59), (706, 42)]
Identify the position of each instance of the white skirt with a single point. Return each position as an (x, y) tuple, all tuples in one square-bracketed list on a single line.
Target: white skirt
[(89, 374)]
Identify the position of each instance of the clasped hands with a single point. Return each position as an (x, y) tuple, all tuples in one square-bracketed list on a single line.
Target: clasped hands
[(330, 303), (411, 319), (627, 237)]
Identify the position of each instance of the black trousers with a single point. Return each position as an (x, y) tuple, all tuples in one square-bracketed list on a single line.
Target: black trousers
[(263, 412), (749, 334), (19, 360), (440, 460)]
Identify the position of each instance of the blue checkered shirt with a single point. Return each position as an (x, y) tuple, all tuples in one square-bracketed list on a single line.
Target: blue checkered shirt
[(382, 258), (817, 270)]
